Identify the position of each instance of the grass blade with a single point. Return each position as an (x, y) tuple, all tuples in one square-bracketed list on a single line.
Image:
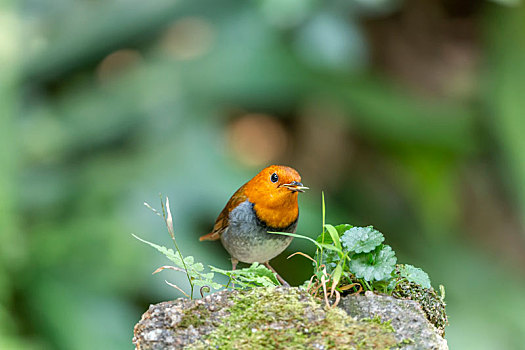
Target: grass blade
[(334, 235)]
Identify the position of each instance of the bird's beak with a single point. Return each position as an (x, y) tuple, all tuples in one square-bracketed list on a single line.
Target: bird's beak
[(295, 186)]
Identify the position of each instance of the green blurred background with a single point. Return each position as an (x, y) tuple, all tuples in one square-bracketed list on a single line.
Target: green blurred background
[(408, 114)]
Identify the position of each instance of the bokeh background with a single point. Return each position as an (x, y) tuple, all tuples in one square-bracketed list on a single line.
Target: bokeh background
[(409, 115)]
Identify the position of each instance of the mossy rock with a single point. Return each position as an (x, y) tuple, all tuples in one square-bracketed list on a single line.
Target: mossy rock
[(432, 305), (407, 317), (261, 318)]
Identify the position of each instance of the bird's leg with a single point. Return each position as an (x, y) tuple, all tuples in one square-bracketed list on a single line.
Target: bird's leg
[(234, 266), (283, 282)]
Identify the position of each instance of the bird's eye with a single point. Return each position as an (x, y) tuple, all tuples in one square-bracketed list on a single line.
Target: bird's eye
[(274, 177)]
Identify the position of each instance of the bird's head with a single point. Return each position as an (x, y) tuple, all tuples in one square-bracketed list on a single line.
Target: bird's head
[(275, 186)]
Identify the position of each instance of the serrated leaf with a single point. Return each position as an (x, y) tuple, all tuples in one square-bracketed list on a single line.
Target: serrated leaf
[(376, 265), (189, 260), (193, 269), (207, 283), (415, 275), (362, 239), (341, 229), (261, 274), (168, 253), (207, 276), (254, 276)]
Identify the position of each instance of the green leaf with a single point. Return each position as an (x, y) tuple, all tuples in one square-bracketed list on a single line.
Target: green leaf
[(328, 239), (324, 238), (415, 275), (334, 235), (330, 247), (341, 229), (168, 253), (376, 265), (362, 239), (336, 277), (208, 283), (194, 270), (330, 258), (254, 276)]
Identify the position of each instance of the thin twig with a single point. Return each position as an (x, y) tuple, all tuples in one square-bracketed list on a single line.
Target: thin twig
[(317, 288), (337, 299), (167, 267), (310, 282), (323, 282), (359, 290), (303, 254), (152, 209), (175, 286)]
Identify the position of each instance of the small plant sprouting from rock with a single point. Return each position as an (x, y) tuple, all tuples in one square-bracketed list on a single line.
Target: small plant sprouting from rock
[(198, 275), (354, 259), (361, 257)]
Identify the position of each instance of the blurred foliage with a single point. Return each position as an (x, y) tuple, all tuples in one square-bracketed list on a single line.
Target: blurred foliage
[(407, 113)]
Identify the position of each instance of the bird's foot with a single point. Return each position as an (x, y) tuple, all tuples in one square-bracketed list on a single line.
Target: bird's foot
[(279, 278)]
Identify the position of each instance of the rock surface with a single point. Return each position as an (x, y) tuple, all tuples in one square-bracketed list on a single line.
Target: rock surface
[(405, 316), (285, 318)]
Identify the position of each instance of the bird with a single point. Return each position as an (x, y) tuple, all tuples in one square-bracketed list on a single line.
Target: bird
[(267, 203)]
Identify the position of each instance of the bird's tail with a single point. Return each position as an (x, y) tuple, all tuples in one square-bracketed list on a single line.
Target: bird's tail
[(212, 236)]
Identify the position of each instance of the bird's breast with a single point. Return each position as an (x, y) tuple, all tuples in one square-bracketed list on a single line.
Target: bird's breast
[(247, 238)]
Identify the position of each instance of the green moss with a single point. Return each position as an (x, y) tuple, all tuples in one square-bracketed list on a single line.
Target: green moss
[(377, 320), (433, 306), (407, 341), (195, 316), (262, 319)]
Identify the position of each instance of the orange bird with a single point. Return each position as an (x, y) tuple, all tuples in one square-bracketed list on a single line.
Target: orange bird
[(266, 203)]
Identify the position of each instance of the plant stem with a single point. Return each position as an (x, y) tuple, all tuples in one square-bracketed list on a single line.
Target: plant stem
[(323, 208), (365, 283), (169, 224)]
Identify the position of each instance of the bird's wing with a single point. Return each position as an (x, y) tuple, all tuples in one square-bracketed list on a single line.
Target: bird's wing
[(222, 221)]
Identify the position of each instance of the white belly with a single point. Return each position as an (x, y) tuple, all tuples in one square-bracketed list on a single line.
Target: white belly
[(247, 240)]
